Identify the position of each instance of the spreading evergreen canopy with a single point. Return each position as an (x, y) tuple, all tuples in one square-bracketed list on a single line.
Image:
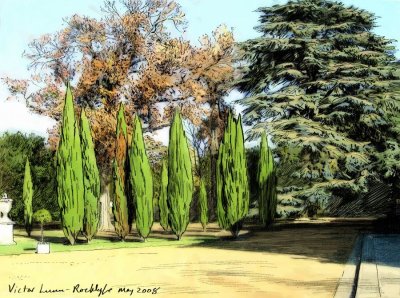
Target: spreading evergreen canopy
[(326, 83)]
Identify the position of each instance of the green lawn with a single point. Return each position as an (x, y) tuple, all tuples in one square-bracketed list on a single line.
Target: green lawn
[(26, 245)]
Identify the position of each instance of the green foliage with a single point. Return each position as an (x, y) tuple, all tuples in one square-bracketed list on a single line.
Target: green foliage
[(27, 195), (180, 177), (253, 157), (120, 206), (42, 216), (266, 183), (162, 201), (141, 181), (91, 180), (232, 180), (156, 153), (203, 205), (15, 149), (323, 85), (70, 172)]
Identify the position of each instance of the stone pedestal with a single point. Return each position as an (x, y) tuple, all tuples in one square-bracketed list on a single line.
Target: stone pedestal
[(6, 224), (43, 248), (7, 233)]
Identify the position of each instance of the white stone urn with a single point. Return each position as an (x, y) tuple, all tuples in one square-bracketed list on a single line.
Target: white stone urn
[(6, 224)]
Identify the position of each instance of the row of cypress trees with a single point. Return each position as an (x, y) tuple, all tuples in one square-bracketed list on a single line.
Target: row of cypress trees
[(78, 177), (133, 182)]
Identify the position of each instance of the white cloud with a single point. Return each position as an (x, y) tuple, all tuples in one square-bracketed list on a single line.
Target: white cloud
[(14, 116)]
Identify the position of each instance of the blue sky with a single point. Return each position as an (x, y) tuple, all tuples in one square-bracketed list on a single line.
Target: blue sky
[(23, 20)]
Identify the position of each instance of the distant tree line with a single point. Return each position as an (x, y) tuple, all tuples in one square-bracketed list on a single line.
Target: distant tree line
[(28, 156)]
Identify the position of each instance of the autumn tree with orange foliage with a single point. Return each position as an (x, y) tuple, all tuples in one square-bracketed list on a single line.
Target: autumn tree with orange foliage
[(129, 56)]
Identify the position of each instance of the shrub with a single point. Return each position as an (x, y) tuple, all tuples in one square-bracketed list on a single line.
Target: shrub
[(42, 216)]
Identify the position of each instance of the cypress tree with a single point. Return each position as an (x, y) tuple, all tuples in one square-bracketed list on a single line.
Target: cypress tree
[(91, 180), (180, 179), (27, 195), (203, 205), (141, 181), (69, 172), (266, 179), (232, 180), (162, 201), (120, 206)]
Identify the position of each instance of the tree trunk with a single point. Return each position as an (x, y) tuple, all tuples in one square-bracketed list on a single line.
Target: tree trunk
[(217, 125), (41, 232), (105, 210), (235, 229), (212, 203)]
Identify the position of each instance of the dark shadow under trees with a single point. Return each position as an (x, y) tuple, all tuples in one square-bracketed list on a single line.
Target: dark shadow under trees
[(327, 242)]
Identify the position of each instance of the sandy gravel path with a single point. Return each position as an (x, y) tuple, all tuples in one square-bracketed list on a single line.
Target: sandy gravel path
[(306, 262)]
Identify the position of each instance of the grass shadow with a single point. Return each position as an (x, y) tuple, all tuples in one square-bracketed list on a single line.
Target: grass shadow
[(327, 242), (170, 238), (51, 239)]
